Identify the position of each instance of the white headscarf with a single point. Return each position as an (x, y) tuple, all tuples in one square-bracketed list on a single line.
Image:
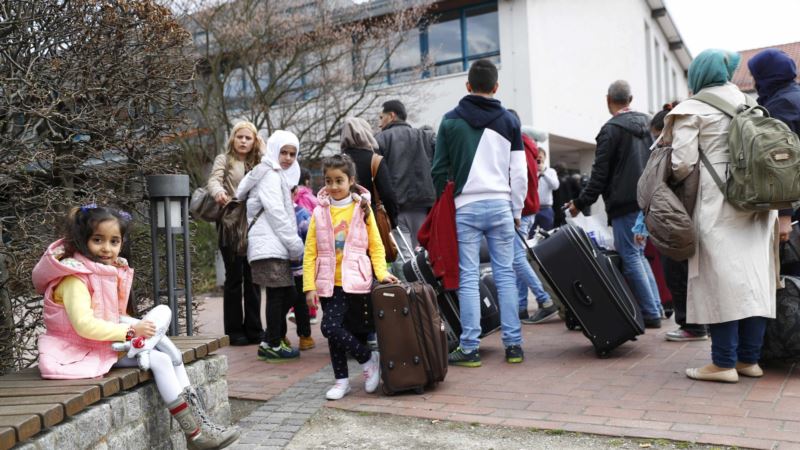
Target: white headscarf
[(278, 140)]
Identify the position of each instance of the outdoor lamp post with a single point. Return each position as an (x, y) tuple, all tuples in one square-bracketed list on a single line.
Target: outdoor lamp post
[(169, 216)]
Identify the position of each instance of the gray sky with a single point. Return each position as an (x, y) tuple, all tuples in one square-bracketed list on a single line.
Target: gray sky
[(735, 24)]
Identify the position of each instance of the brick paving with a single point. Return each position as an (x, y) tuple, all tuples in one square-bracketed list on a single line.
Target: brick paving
[(639, 391)]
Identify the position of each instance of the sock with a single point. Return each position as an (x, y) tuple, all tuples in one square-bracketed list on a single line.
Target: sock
[(547, 303), (344, 381), (264, 345)]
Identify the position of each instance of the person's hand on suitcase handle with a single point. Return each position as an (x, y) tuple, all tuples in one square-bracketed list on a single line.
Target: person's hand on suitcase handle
[(390, 279)]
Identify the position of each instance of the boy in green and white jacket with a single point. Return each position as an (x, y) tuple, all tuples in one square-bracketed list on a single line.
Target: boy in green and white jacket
[(479, 143)]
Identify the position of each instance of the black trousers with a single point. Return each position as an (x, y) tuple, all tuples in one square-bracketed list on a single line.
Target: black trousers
[(277, 298), (301, 317), (677, 277), (240, 319), (341, 341)]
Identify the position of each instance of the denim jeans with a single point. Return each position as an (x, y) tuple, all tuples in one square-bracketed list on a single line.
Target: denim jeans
[(737, 340), (545, 218), (526, 277), (635, 266), (493, 219)]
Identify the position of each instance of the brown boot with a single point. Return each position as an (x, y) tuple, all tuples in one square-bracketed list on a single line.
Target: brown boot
[(225, 435), (306, 343), (198, 435)]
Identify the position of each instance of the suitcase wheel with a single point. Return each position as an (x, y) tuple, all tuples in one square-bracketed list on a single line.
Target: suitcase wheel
[(385, 389), (602, 354), (419, 391)]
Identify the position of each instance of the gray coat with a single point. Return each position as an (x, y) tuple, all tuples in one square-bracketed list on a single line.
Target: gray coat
[(409, 152)]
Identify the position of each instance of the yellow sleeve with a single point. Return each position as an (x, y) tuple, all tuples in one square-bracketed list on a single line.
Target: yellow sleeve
[(310, 257), (74, 294), (376, 251)]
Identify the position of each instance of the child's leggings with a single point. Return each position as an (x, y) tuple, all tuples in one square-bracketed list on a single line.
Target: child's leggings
[(170, 380), (340, 340)]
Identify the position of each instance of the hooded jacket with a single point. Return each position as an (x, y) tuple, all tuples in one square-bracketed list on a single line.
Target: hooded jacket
[(408, 152), (479, 143), (623, 147), (63, 353), (774, 73), (274, 234)]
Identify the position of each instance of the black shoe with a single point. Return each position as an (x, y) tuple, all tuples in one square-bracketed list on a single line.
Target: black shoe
[(514, 354), (542, 314), (239, 340), (523, 315), (652, 323)]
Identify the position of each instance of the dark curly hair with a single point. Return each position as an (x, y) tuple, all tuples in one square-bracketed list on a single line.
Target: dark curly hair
[(81, 222)]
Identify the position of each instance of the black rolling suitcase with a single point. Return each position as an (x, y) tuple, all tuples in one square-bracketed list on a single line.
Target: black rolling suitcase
[(419, 269), (591, 287), (411, 336)]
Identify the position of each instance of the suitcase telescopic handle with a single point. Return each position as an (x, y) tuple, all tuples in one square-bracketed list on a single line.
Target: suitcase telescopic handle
[(581, 294)]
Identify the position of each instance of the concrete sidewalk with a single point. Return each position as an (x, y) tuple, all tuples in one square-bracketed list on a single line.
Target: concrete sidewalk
[(639, 391)]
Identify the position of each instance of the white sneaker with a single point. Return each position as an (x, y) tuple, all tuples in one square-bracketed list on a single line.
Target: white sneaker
[(372, 373), (339, 390)]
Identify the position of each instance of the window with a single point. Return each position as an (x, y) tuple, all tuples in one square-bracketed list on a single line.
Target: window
[(659, 100), (667, 96), (235, 84), (481, 29), (450, 41), (648, 55), (405, 59)]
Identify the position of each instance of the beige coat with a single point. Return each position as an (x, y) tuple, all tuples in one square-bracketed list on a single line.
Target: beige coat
[(219, 182), (732, 274)]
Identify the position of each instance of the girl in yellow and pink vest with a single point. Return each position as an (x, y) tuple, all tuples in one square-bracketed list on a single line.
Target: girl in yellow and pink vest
[(343, 249), (86, 285)]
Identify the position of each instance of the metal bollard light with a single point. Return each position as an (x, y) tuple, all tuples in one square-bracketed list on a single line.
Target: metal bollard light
[(169, 215)]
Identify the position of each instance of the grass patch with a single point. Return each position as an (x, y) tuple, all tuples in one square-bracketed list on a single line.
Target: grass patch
[(555, 432)]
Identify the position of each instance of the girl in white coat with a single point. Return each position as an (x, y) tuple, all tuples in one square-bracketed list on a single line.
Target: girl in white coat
[(273, 241)]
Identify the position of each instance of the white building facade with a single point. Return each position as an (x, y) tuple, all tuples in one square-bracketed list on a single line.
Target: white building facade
[(556, 59)]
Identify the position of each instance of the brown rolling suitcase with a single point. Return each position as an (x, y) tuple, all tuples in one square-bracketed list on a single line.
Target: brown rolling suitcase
[(411, 337)]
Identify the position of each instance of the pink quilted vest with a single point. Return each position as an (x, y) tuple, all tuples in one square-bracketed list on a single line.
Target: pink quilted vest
[(63, 354), (356, 265)]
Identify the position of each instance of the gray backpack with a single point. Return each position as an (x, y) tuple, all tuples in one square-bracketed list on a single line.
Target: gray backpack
[(668, 208), (764, 169)]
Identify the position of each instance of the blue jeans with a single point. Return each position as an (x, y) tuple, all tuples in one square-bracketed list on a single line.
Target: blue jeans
[(493, 219), (737, 340), (635, 266), (545, 218), (526, 277)]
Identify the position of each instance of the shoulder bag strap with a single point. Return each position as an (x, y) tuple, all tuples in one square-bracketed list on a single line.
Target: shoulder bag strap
[(374, 164), (255, 218), (717, 102), (717, 179)]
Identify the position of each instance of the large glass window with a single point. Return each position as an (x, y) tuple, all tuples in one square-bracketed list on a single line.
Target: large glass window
[(449, 40), (482, 31)]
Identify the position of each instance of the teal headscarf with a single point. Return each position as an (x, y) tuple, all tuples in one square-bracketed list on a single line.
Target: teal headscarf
[(712, 68)]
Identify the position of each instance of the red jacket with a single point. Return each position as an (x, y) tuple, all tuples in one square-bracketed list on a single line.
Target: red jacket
[(532, 200), (438, 236)]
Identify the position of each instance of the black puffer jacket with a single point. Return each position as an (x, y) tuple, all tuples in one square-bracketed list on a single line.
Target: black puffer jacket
[(623, 147), (408, 152)]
